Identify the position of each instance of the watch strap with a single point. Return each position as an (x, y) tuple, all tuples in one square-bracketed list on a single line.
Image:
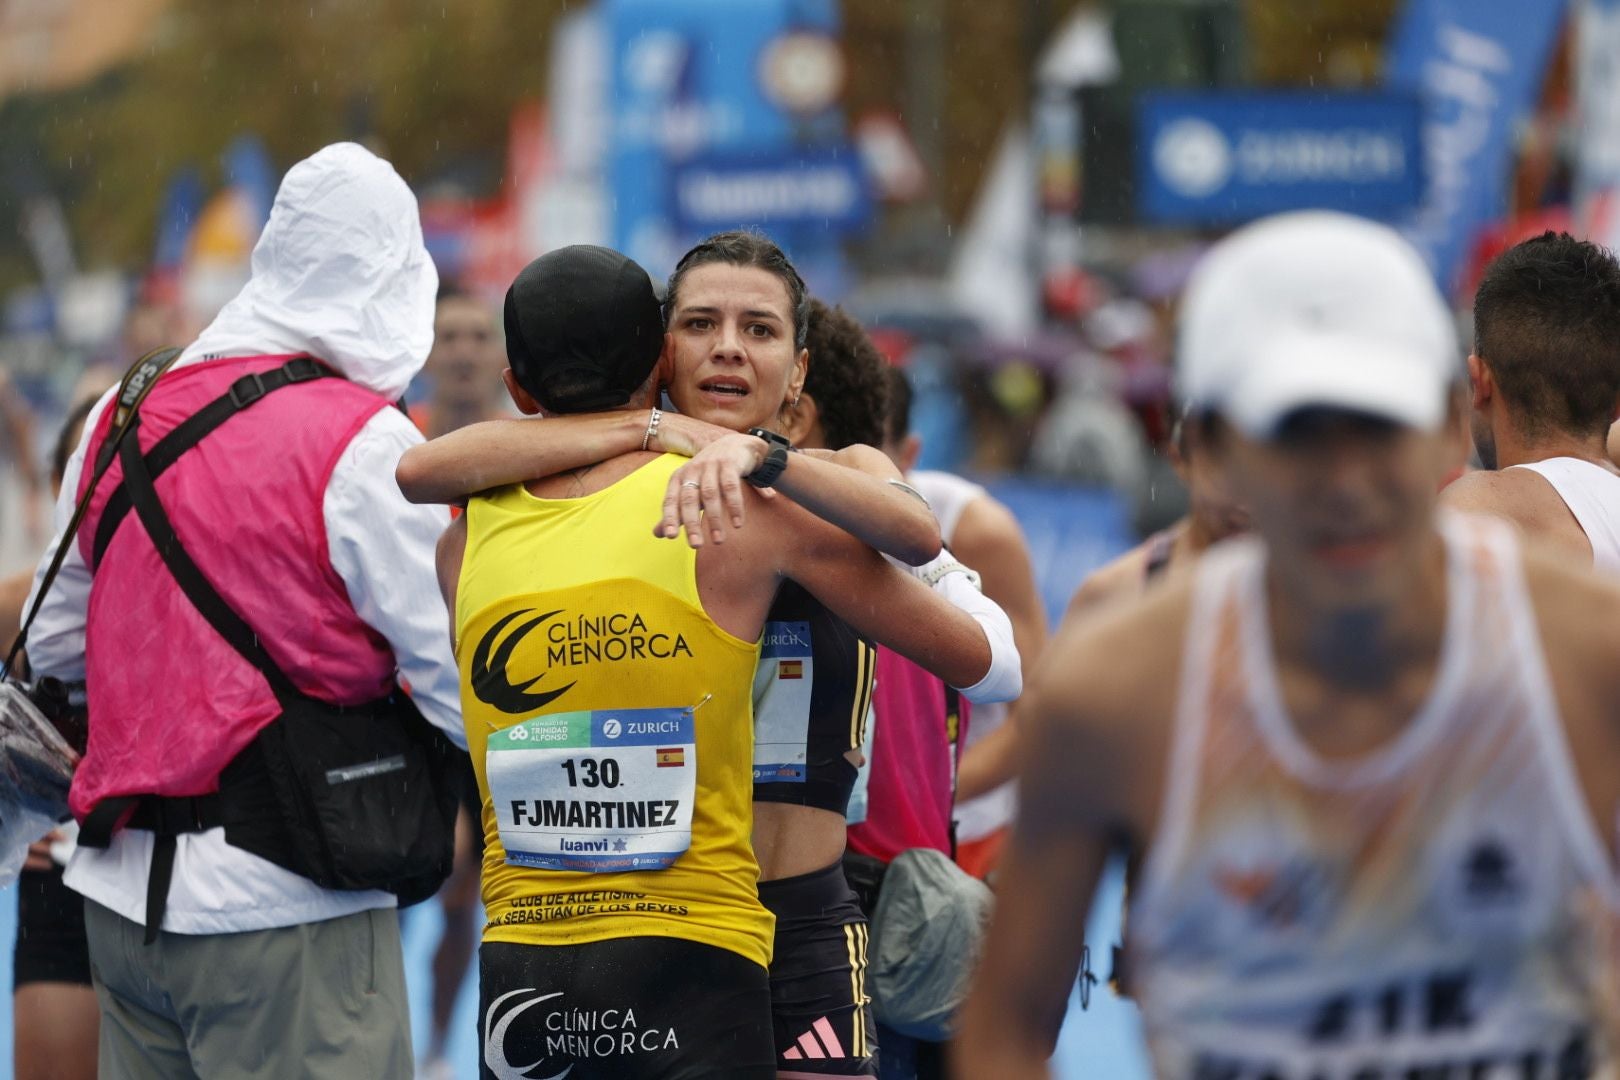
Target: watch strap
[(776, 459)]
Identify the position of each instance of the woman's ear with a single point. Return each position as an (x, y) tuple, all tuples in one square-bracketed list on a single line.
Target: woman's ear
[(801, 423), (801, 371)]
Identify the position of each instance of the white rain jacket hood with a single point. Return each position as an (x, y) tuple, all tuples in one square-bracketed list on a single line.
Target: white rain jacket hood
[(340, 273)]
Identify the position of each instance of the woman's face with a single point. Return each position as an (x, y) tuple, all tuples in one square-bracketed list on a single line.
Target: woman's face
[(736, 364)]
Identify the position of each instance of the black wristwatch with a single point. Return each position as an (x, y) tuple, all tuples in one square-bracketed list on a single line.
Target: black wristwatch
[(776, 458)]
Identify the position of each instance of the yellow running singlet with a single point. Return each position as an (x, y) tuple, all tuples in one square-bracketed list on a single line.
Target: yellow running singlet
[(610, 724)]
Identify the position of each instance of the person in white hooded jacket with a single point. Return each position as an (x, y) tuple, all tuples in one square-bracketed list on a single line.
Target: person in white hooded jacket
[(291, 512)]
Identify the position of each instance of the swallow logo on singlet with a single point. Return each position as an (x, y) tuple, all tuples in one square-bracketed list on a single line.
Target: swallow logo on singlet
[(495, 1035), (490, 681)]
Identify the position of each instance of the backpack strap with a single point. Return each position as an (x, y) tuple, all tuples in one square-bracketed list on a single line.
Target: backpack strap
[(138, 382), (243, 392), (189, 576), (140, 491)]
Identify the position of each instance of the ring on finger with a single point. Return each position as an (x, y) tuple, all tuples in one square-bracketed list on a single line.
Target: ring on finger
[(690, 484)]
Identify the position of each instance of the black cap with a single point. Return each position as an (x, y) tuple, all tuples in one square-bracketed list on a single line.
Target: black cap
[(583, 329)]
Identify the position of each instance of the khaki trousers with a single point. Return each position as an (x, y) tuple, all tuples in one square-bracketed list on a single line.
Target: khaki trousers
[(319, 1000)]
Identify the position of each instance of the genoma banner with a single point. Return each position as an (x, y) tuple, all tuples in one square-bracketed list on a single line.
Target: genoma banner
[(1225, 158)]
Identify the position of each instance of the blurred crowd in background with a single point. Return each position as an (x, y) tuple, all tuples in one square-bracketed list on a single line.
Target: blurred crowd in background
[(1010, 196)]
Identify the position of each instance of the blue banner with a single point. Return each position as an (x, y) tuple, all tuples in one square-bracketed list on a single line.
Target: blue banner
[(1072, 531), (1478, 67), (825, 190), (686, 84), (1221, 158)]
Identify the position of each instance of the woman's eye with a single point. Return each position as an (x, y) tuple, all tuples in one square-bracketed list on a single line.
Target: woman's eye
[(699, 324), (759, 330)]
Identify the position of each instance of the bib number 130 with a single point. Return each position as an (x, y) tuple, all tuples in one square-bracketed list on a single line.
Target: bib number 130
[(589, 772), (599, 792)]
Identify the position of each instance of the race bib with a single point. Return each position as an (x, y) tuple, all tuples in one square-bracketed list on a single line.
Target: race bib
[(782, 683), (600, 792)]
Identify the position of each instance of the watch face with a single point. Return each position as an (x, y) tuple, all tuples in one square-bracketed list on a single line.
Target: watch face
[(771, 437)]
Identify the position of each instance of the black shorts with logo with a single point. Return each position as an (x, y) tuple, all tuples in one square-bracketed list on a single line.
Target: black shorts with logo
[(51, 942), (635, 1008), (819, 1009)]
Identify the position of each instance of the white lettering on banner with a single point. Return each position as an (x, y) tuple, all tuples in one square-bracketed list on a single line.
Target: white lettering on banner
[(1347, 156), (1464, 74), (810, 192), (1196, 160)]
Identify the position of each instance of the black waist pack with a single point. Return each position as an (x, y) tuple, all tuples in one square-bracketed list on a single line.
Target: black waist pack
[(350, 797)]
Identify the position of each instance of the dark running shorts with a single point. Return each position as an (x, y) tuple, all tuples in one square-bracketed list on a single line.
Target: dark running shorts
[(820, 1013), (638, 1008), (51, 943)]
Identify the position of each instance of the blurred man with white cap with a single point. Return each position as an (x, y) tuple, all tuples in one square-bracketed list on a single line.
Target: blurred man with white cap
[(1364, 761), (214, 953)]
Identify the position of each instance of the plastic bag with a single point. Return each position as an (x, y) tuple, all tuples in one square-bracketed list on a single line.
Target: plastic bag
[(927, 930), (36, 769)]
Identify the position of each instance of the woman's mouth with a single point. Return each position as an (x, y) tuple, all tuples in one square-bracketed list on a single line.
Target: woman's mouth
[(724, 387)]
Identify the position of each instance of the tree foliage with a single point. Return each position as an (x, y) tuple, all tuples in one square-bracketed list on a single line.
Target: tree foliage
[(430, 83)]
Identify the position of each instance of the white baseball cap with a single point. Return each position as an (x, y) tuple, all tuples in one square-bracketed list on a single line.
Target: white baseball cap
[(1316, 309)]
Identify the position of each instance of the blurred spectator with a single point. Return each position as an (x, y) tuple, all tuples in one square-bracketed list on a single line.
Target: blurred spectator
[(22, 491), (1089, 436), (464, 368)]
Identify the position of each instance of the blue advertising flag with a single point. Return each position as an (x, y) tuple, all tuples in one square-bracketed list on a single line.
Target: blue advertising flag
[(1478, 66), (248, 168), (1071, 532), (182, 201)]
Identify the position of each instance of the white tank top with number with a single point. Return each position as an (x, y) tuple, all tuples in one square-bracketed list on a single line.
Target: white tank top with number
[(1442, 907), (948, 496), (1592, 494)]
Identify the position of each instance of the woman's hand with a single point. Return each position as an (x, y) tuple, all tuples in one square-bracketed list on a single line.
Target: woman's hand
[(709, 489), (678, 434)]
